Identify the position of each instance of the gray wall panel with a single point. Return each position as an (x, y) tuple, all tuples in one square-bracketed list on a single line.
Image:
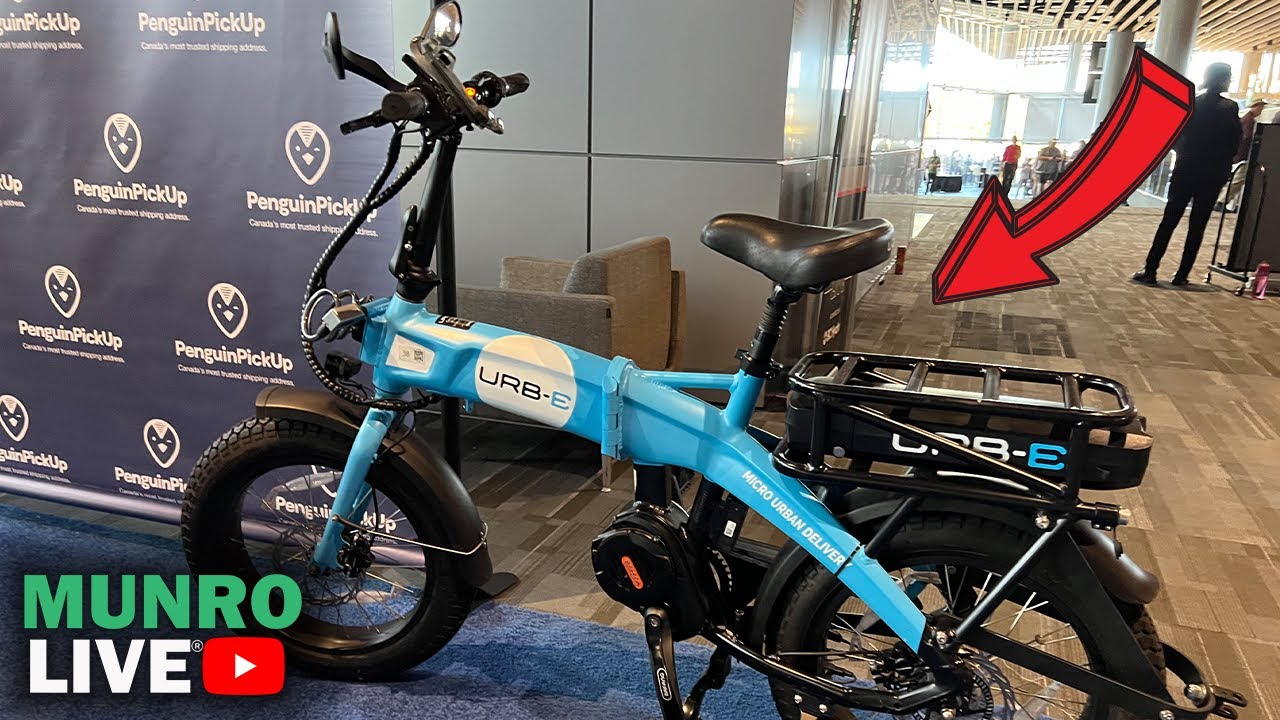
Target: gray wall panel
[(547, 40), (633, 197), (690, 79), (514, 204)]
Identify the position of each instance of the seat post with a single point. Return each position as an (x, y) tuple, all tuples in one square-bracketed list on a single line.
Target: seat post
[(758, 361)]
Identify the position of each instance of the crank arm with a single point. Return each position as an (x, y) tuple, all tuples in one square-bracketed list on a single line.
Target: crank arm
[(1104, 689), (662, 657), (657, 632)]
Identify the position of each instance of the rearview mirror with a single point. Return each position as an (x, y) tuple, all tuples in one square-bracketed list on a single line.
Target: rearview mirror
[(333, 45), (444, 25)]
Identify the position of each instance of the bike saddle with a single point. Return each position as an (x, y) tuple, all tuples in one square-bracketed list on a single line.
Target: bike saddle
[(800, 256)]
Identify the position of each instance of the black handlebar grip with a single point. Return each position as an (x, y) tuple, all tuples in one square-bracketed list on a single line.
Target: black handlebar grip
[(516, 83), (407, 105)]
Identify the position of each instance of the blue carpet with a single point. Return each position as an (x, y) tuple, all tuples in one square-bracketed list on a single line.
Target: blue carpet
[(507, 662)]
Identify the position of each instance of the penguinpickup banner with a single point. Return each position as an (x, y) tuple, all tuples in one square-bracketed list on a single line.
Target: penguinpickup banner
[(169, 172)]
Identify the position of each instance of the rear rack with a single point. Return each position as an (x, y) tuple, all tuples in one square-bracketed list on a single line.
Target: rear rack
[(848, 410), (861, 377)]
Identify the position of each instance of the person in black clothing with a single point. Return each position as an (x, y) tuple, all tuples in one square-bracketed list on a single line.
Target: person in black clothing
[(1203, 166)]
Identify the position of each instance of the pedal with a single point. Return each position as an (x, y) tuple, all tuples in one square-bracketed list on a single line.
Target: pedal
[(662, 658)]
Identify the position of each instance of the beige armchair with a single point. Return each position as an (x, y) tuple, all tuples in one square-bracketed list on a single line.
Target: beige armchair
[(625, 300)]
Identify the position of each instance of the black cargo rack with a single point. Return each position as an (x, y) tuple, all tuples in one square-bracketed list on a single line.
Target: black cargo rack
[(985, 443)]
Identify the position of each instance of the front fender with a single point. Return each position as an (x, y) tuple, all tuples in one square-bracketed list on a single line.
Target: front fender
[(412, 457)]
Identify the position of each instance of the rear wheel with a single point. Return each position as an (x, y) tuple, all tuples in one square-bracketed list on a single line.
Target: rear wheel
[(950, 562), (257, 504)]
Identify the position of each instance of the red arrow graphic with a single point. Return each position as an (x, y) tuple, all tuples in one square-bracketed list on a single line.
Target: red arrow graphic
[(999, 251)]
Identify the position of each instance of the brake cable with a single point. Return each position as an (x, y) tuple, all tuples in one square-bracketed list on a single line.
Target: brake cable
[(316, 290)]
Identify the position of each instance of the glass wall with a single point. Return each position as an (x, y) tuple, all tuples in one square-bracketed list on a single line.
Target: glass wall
[(886, 107), (978, 101)]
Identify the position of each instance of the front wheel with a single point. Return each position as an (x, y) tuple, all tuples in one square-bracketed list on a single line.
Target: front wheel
[(257, 503), (947, 563)]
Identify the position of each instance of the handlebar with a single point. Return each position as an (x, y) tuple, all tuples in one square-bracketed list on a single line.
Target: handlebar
[(486, 89), (516, 83), (410, 104)]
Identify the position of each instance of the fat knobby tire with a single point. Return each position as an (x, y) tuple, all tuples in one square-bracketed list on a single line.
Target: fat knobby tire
[(213, 543)]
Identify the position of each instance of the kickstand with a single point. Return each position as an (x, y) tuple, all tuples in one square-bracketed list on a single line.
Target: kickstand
[(713, 679), (497, 584), (657, 633)]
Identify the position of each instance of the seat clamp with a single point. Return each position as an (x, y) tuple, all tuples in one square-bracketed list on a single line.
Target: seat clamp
[(767, 370)]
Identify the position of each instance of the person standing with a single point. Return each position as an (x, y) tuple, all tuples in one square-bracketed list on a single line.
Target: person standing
[(1203, 165), (1009, 165), (931, 170), (1048, 163)]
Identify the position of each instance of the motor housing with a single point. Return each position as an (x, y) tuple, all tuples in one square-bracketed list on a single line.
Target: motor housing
[(643, 559)]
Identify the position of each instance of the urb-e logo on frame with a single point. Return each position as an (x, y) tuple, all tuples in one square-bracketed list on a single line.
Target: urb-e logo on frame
[(307, 148), (124, 141)]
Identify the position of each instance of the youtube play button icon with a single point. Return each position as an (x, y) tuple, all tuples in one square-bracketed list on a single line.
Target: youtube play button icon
[(243, 666)]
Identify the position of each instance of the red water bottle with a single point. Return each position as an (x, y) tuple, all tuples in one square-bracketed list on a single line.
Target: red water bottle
[(1260, 280)]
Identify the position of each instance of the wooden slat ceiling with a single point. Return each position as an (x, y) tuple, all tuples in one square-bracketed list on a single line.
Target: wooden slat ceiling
[(1241, 25)]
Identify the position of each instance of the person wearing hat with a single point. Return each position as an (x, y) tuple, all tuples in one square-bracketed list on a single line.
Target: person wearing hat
[(1248, 122), (1204, 151)]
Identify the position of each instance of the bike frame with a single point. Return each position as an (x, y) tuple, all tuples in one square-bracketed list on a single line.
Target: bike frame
[(634, 414)]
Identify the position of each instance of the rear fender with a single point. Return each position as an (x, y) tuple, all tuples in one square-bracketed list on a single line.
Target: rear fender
[(860, 511), (1091, 553), (413, 459)]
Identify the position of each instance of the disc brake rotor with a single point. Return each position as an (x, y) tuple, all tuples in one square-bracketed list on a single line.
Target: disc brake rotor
[(294, 546)]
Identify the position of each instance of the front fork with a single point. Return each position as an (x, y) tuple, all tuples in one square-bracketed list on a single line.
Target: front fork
[(353, 488)]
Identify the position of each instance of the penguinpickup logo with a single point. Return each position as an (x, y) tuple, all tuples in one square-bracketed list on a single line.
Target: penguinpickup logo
[(123, 139), (11, 185), (40, 22), (16, 422), (162, 441), (63, 290), (229, 309), (205, 22), (306, 147), (163, 445), (13, 415)]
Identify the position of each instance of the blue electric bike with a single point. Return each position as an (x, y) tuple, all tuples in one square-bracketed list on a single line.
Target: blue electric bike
[(941, 562)]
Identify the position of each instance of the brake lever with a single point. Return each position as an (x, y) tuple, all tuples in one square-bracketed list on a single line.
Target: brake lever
[(372, 120), (370, 70)]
